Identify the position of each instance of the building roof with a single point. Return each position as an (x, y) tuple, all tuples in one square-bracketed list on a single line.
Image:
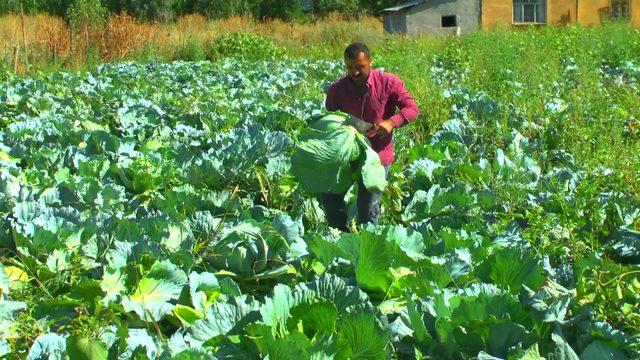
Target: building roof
[(405, 6)]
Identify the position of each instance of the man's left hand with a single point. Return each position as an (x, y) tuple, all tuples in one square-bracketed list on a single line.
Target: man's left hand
[(384, 128)]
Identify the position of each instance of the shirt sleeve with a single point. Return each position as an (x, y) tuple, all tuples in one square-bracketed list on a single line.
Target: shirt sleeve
[(331, 101), (404, 101)]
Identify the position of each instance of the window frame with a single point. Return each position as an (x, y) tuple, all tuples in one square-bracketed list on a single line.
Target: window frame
[(536, 4), (616, 4)]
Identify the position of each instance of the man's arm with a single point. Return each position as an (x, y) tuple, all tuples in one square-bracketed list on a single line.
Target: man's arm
[(331, 102), (404, 101), (408, 110)]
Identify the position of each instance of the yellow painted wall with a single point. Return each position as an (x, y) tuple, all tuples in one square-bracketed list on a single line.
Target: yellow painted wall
[(559, 12), (497, 13), (590, 12), (593, 12), (635, 13)]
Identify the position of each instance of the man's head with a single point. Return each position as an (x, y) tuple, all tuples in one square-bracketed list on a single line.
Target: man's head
[(358, 62)]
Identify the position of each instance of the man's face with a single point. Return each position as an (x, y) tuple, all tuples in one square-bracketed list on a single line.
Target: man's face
[(358, 68)]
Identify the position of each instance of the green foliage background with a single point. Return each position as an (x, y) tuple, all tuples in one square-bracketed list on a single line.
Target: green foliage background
[(164, 10)]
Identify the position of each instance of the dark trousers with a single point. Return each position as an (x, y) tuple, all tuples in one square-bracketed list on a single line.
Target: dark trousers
[(368, 204)]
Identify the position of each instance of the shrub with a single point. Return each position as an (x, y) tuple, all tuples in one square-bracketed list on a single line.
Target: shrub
[(191, 50), (147, 52), (244, 46), (86, 13)]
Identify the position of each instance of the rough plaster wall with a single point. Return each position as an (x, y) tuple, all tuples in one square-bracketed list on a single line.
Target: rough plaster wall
[(426, 18), (395, 23)]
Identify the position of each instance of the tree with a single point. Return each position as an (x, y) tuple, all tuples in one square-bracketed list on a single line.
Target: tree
[(115, 6), (85, 13), (324, 7), (152, 10), (184, 7), (376, 6), (286, 10), (216, 9), (53, 7)]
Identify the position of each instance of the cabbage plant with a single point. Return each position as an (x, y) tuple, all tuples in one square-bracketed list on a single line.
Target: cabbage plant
[(330, 156)]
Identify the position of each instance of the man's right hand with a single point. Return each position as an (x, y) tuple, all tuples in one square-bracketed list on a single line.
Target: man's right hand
[(384, 128)]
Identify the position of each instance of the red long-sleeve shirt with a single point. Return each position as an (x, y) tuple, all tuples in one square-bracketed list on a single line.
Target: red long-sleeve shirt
[(386, 94)]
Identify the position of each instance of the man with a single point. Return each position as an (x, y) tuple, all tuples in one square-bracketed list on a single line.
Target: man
[(377, 98)]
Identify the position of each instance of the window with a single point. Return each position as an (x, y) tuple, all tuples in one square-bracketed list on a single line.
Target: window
[(449, 21), (619, 9), (529, 11)]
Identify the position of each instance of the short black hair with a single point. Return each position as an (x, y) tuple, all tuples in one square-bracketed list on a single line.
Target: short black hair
[(353, 51)]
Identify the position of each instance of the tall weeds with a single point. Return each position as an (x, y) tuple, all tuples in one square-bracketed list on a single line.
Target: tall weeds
[(52, 44)]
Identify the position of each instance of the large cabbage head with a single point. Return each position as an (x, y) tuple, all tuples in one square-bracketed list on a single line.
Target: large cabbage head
[(330, 156), (241, 250)]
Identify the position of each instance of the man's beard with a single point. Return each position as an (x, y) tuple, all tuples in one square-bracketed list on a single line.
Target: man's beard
[(360, 79)]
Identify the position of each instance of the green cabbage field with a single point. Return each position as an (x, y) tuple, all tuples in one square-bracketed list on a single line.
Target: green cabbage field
[(151, 211)]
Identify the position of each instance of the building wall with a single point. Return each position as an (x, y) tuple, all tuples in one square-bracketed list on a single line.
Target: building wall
[(559, 12), (426, 18), (488, 14), (497, 13), (593, 12), (500, 12), (395, 23), (635, 13)]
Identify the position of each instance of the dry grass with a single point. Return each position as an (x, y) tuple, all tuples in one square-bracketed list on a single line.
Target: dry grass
[(49, 39), (45, 37), (123, 37), (333, 28)]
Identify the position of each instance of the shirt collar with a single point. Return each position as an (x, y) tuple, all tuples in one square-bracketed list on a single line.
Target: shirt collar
[(371, 75)]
